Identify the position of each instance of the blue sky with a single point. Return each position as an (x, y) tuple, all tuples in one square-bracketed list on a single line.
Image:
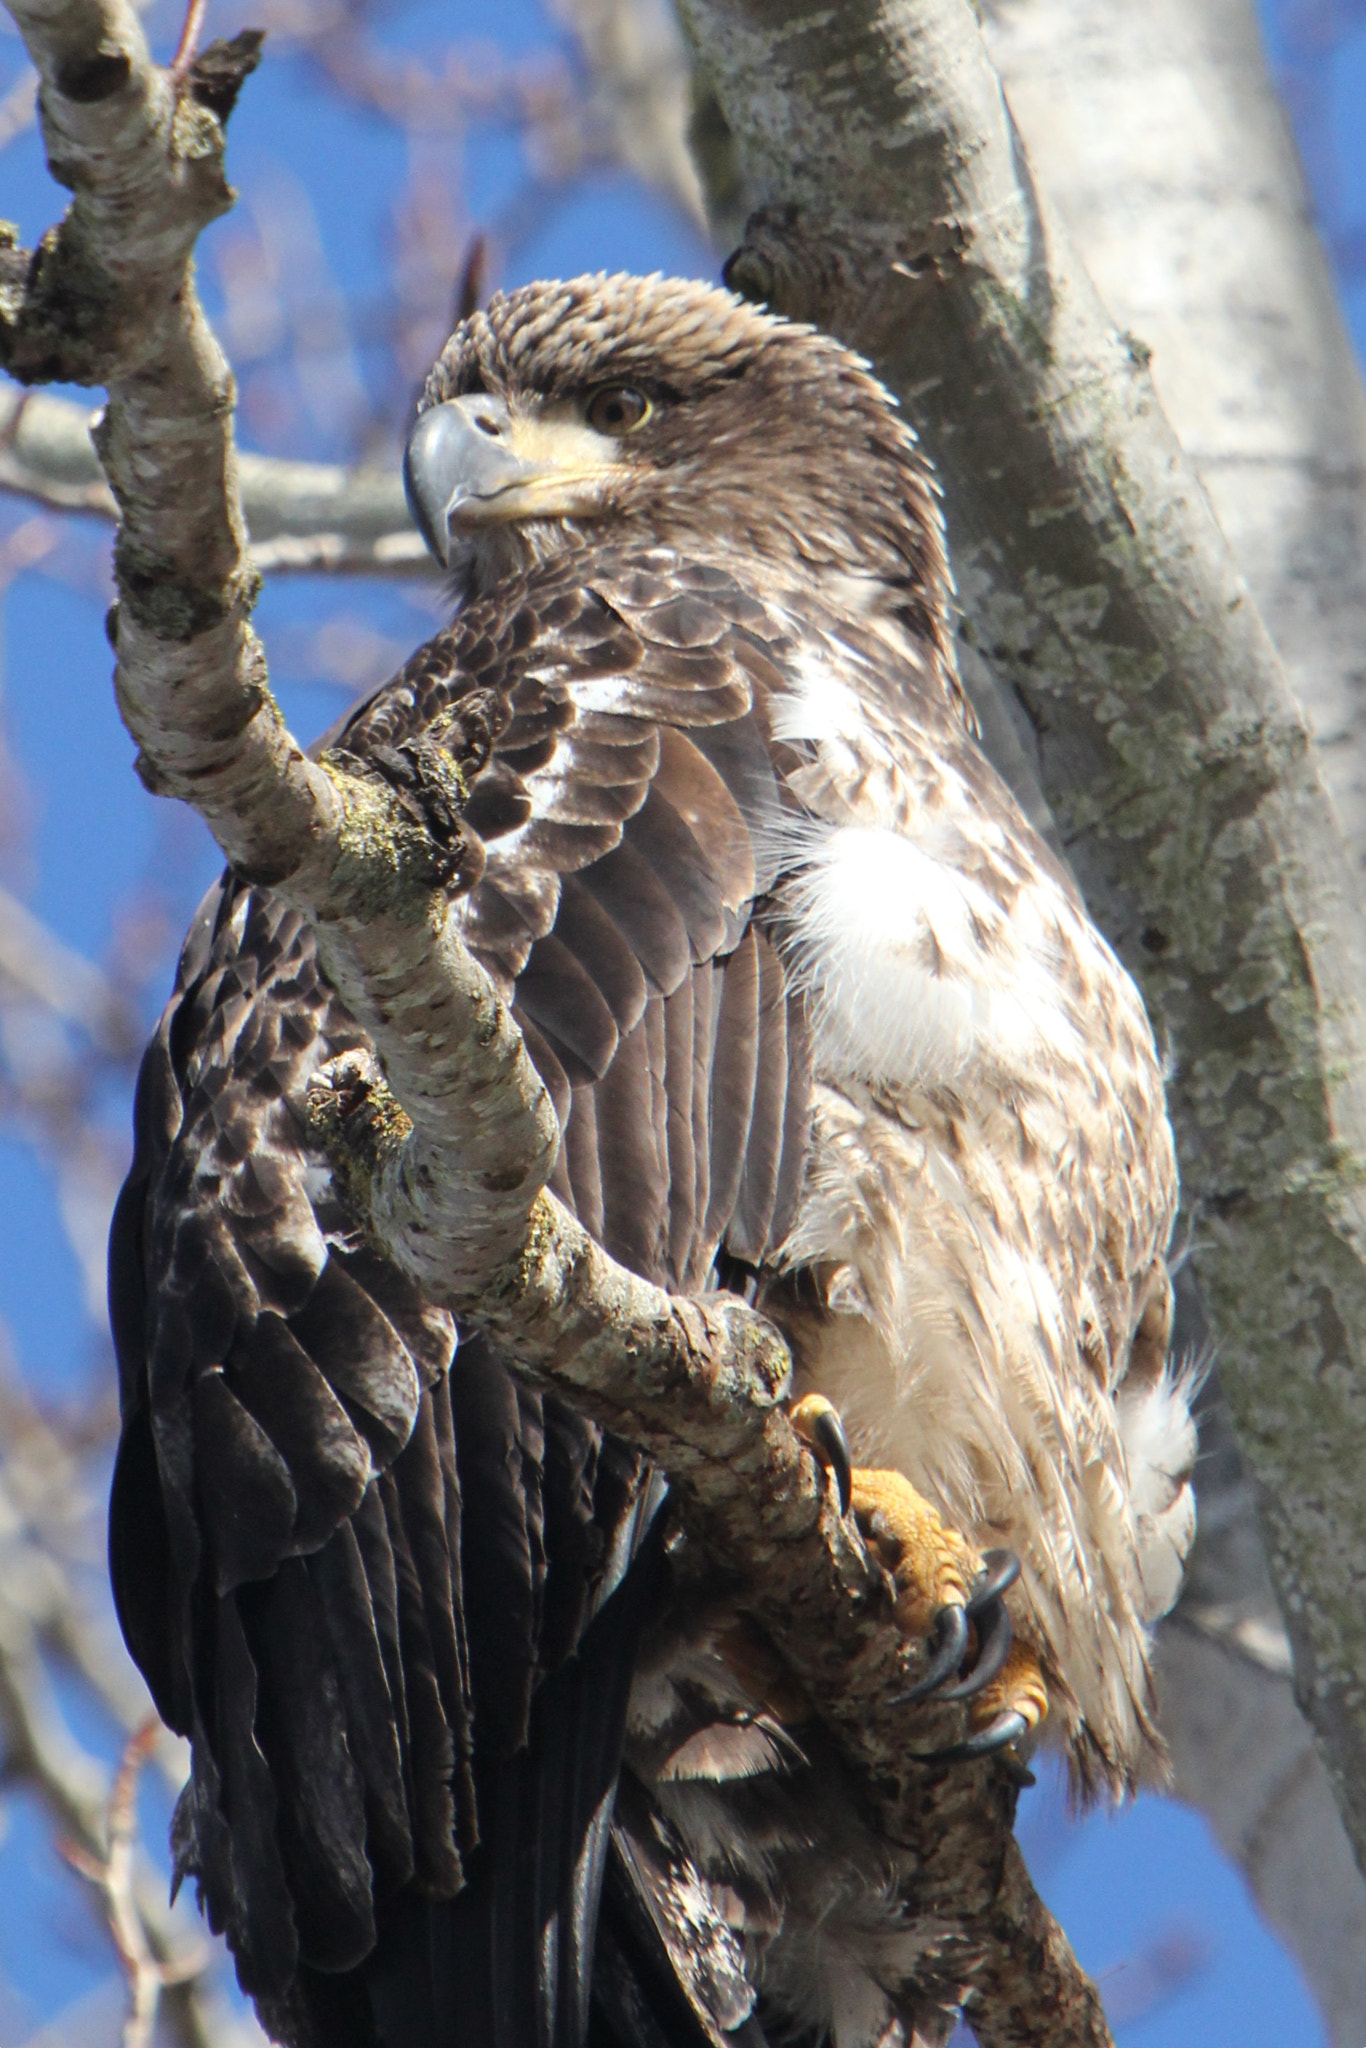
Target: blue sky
[(90, 842)]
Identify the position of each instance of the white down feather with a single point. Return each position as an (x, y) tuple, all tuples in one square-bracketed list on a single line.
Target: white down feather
[(1159, 1437)]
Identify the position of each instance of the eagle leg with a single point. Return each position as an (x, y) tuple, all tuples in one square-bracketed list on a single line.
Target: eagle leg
[(945, 1594), (932, 1566)]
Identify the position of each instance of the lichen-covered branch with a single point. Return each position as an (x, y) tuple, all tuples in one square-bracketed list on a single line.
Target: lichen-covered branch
[(899, 211), (450, 1146)]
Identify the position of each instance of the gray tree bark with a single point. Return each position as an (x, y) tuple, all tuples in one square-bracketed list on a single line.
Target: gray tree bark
[(1157, 128)]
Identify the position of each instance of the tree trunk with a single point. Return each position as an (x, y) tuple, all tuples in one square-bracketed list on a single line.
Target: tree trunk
[(1157, 130), (899, 209)]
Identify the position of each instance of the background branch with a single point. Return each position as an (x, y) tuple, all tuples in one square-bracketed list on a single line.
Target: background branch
[(315, 516)]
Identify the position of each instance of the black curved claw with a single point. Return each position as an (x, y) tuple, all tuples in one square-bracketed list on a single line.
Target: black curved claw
[(1008, 1727), (947, 1644), (995, 1634), (832, 1446), (1000, 1569)]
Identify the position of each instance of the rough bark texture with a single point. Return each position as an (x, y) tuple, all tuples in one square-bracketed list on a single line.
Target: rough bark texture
[(900, 212), (1158, 131), (1156, 127), (453, 1160)]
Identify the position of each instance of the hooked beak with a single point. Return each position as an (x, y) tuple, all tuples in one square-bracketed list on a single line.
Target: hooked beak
[(470, 463)]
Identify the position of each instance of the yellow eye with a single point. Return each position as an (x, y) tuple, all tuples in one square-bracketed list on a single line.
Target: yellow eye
[(618, 409)]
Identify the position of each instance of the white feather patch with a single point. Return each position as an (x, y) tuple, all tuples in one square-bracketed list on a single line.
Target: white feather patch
[(1159, 1436), (911, 968), (728, 1750), (820, 707)]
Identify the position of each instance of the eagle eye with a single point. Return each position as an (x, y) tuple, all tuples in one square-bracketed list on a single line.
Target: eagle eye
[(618, 409)]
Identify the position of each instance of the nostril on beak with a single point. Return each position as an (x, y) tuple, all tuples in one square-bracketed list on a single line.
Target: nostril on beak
[(488, 423)]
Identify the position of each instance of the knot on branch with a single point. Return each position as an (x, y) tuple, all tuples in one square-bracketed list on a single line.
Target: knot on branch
[(755, 1364), (88, 304), (786, 263), (90, 77), (790, 262), (934, 254), (14, 263), (352, 1113), (59, 311)]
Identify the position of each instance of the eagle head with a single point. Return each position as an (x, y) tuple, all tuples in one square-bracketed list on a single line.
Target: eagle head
[(672, 411)]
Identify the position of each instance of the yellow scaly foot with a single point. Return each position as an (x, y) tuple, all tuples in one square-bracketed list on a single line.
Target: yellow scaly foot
[(946, 1592)]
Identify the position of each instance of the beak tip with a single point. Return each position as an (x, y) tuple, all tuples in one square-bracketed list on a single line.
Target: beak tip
[(424, 494)]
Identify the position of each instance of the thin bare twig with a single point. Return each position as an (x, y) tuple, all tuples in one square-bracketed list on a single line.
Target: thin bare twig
[(187, 49), (472, 284), (18, 106), (148, 1974), (43, 1504)]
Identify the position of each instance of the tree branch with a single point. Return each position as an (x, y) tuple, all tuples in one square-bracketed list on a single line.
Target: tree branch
[(900, 213), (302, 516), (453, 1178)]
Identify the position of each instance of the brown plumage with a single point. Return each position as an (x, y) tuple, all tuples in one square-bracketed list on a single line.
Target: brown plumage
[(821, 1017)]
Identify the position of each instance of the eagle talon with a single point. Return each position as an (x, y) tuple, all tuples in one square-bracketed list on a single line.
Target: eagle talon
[(1000, 1569), (987, 1612), (948, 1645), (1007, 1727), (995, 1639), (817, 1423)]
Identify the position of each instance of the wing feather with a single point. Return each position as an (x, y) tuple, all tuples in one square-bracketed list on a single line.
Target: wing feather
[(320, 1824), (583, 1171), (749, 1225), (680, 1121), (735, 1063), (365, 1555), (625, 885), (632, 1165), (355, 1611), (601, 950)]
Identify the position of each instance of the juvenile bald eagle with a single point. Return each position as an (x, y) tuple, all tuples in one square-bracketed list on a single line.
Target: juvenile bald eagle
[(823, 1020)]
